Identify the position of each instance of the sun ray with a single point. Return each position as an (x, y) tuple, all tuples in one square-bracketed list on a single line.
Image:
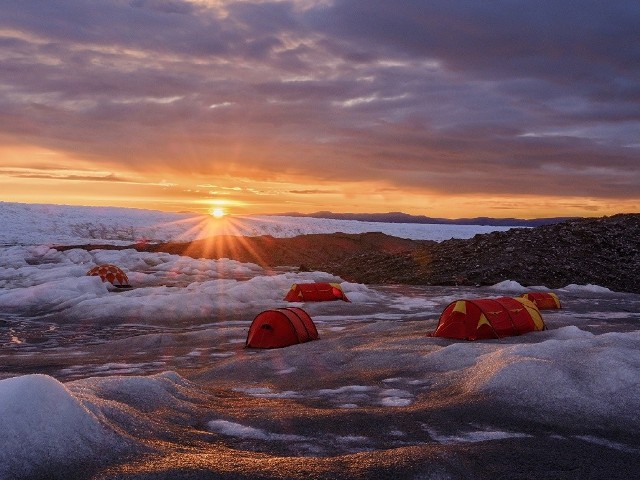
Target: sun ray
[(231, 236)]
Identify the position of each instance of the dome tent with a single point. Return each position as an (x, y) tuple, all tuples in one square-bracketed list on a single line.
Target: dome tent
[(488, 318), (281, 327), (112, 274), (315, 292), (543, 300)]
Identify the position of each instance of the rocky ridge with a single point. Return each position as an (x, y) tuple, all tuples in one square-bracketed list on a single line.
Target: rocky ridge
[(603, 251)]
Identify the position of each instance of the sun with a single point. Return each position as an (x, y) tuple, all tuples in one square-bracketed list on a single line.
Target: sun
[(217, 212)]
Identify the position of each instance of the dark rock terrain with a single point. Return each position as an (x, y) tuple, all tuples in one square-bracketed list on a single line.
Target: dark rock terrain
[(602, 251)]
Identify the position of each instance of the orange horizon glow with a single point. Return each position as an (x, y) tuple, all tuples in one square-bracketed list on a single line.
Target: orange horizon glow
[(41, 176), (241, 203)]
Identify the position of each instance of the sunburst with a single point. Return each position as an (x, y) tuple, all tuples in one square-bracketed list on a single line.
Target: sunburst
[(217, 212)]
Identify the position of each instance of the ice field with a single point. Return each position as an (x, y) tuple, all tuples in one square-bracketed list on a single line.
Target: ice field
[(155, 382)]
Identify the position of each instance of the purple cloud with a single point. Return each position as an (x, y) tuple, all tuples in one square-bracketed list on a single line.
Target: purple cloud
[(451, 96)]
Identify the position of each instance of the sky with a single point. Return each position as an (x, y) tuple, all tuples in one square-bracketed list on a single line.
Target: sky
[(442, 108)]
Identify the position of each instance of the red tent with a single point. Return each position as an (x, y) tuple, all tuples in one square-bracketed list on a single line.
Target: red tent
[(315, 292), (281, 327), (543, 300), (112, 274), (488, 318)]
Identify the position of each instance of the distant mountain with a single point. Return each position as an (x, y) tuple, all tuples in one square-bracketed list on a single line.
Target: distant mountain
[(399, 217)]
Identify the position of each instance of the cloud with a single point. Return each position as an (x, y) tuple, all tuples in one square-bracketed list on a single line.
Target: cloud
[(467, 97), (84, 178), (47, 173), (315, 192)]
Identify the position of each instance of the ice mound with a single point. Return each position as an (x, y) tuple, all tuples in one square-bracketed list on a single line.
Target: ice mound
[(576, 375), (509, 286), (43, 424), (588, 288), (145, 394)]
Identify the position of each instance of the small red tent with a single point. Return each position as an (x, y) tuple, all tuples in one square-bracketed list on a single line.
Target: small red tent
[(315, 292), (281, 327), (112, 274), (543, 300), (488, 318)]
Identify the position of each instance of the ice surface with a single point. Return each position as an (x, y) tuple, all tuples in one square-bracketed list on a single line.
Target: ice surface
[(30, 224), (90, 371)]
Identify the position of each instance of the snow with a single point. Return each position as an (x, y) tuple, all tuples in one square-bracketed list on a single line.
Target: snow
[(91, 373)]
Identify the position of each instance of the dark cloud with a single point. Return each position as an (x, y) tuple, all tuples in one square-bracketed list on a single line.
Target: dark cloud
[(499, 38), (451, 96), (164, 6)]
